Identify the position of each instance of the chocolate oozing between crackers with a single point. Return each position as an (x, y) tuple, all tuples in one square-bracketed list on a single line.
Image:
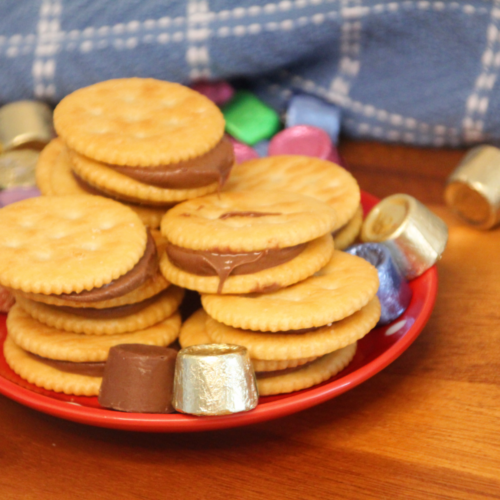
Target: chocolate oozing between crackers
[(91, 189), (204, 170), (146, 267), (221, 263)]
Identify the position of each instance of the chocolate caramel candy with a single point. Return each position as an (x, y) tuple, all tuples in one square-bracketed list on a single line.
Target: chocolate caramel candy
[(139, 378)]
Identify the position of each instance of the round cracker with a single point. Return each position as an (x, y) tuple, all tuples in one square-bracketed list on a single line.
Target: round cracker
[(66, 244), (346, 235), (49, 342), (338, 290), (111, 182), (42, 375), (316, 255), (138, 122), (54, 177), (292, 346), (315, 373), (320, 179), (288, 219), (193, 332), (162, 308)]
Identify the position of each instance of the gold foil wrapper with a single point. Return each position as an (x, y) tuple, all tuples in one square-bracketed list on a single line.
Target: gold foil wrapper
[(25, 124), (17, 168), (214, 379), (415, 236), (473, 189)]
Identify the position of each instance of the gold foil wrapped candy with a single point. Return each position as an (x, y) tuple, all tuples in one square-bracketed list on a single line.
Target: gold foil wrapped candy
[(17, 168), (415, 236), (25, 124), (473, 189), (214, 379)]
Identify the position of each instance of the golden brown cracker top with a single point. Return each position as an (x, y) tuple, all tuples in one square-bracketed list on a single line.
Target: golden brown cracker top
[(345, 285), (247, 220), (138, 122), (66, 244), (314, 177)]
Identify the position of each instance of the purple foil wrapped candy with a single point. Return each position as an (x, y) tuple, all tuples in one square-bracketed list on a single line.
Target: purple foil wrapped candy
[(394, 291), (12, 195), (261, 148)]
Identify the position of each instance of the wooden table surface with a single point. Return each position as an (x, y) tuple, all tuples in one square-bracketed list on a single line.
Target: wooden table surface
[(426, 427)]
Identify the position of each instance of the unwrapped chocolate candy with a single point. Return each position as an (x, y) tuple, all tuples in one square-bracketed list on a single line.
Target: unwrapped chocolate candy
[(139, 378)]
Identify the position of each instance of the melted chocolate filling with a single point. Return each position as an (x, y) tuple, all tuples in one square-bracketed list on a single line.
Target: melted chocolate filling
[(139, 274), (117, 196), (211, 167), (109, 312), (89, 369), (224, 264), (247, 214)]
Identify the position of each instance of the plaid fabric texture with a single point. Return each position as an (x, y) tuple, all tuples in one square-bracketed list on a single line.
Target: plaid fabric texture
[(414, 71)]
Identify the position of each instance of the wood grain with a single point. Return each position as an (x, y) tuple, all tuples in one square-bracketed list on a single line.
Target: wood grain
[(426, 427)]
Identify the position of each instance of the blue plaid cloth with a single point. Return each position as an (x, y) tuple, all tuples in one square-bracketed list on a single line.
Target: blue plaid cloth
[(418, 72)]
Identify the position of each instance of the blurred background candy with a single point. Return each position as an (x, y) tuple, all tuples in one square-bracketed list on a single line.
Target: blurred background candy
[(219, 92), (17, 168), (25, 124), (12, 195), (306, 109), (473, 189), (303, 140), (242, 152), (262, 148), (249, 120)]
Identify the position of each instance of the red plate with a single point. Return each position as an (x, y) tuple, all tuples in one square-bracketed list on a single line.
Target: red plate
[(375, 351)]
